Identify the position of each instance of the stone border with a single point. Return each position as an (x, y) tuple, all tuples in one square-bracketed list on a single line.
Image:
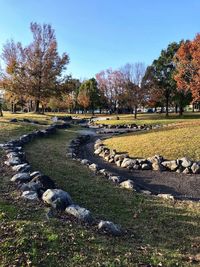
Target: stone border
[(36, 186), (74, 149), (155, 163)]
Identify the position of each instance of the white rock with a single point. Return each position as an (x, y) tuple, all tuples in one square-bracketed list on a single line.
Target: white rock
[(20, 177), (54, 197), (85, 161), (31, 195), (110, 228), (93, 167), (128, 184), (80, 213)]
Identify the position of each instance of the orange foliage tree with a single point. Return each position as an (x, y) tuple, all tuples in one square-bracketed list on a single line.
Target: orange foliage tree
[(188, 67)]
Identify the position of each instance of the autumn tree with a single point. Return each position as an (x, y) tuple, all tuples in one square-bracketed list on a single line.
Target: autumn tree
[(35, 70), (110, 86), (133, 92), (187, 73)]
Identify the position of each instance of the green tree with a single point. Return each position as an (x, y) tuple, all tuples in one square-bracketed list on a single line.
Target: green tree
[(163, 70), (89, 95)]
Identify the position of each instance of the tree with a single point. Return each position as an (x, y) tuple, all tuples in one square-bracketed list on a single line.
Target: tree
[(110, 87), (164, 69), (132, 85), (187, 73), (89, 96), (36, 70)]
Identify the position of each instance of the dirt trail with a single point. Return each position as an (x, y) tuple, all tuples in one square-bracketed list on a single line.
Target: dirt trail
[(180, 185)]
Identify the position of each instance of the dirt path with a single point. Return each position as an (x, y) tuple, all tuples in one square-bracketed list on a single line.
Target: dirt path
[(180, 185)]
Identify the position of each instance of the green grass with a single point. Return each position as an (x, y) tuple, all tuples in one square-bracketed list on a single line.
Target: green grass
[(157, 230), (172, 142)]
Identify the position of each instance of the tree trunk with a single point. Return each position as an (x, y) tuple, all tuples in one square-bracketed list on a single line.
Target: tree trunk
[(135, 112), (37, 105), (180, 110), (1, 112), (167, 106), (176, 108)]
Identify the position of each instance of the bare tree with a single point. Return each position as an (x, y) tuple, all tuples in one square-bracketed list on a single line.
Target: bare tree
[(133, 90)]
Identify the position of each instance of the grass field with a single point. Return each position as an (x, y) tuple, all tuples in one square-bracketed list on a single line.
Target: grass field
[(172, 142), (158, 231)]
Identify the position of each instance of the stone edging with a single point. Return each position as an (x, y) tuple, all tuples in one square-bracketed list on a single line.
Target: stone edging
[(155, 163), (73, 151), (36, 186)]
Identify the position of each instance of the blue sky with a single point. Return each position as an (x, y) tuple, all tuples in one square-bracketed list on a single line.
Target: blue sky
[(98, 34)]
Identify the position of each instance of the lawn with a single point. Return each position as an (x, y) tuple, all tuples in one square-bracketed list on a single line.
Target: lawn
[(151, 119), (158, 231), (172, 142)]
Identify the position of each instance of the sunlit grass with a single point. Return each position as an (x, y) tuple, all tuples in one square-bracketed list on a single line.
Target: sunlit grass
[(174, 142)]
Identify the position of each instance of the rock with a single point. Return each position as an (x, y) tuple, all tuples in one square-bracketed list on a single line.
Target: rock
[(57, 198), (85, 161), (93, 167), (115, 179), (80, 213), (98, 151), (195, 168), (45, 181), (186, 171), (156, 159), (166, 196), (172, 165), (30, 195), (35, 174), (146, 166), (128, 184), (21, 167), (13, 162), (156, 166), (110, 228), (111, 160), (31, 186), (13, 120), (135, 167), (127, 162), (118, 163), (21, 177), (185, 162), (142, 161), (120, 157)]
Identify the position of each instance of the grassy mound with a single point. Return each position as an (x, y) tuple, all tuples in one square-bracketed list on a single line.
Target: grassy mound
[(173, 142)]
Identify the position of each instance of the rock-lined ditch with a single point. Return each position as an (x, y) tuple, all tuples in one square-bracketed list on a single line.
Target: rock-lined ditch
[(36, 186)]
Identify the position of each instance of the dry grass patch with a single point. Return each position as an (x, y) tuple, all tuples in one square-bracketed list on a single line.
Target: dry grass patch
[(173, 142)]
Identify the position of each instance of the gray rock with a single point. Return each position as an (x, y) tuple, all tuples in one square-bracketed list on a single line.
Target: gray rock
[(118, 163), (145, 192), (127, 162), (13, 162), (120, 157), (156, 166), (80, 213), (136, 167), (171, 165), (195, 168), (85, 161), (185, 162), (21, 167), (115, 179), (110, 228), (156, 159), (31, 186), (21, 177), (35, 174), (142, 161), (186, 171), (103, 171), (57, 198), (128, 184), (30, 195), (146, 166)]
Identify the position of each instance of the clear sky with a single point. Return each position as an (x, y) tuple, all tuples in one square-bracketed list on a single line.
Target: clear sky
[(98, 34)]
